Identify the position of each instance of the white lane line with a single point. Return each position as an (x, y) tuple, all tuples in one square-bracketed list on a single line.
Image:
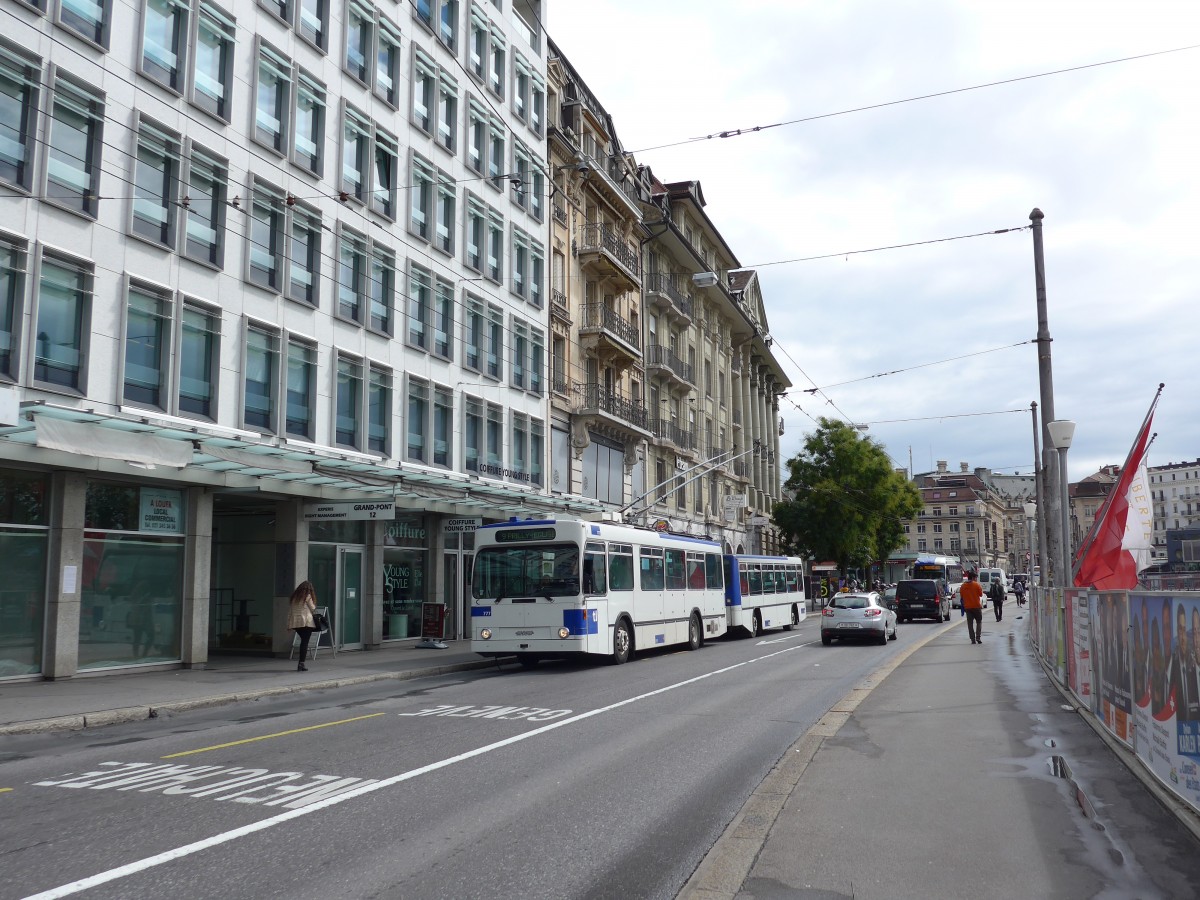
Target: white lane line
[(159, 859)]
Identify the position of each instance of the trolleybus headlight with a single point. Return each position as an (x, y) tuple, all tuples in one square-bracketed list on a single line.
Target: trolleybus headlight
[(485, 634), (564, 632)]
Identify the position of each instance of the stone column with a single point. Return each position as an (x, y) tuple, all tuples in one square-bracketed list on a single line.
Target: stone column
[(197, 569), (372, 601), (291, 568), (68, 493)]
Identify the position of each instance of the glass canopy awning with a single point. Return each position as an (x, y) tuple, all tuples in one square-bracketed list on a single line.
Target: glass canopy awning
[(151, 442)]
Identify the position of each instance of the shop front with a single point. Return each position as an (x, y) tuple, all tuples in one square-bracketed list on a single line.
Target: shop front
[(405, 575), (337, 554), (24, 531)]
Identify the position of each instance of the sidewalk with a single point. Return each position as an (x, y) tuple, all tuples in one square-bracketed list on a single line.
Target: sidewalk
[(957, 770), (83, 701)]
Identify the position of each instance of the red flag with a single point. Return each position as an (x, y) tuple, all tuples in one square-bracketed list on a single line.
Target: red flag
[(1118, 546)]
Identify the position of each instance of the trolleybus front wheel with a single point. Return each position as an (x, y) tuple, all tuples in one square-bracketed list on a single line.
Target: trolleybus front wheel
[(694, 632), (622, 643)]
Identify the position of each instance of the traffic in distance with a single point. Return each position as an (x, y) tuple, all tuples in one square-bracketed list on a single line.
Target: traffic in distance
[(556, 588)]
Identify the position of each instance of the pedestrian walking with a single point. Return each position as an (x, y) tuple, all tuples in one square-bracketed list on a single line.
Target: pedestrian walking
[(996, 595), (971, 596), (300, 617), (1019, 590)]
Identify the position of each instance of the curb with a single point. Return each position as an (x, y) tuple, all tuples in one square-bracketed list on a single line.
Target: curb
[(727, 864), (126, 714)]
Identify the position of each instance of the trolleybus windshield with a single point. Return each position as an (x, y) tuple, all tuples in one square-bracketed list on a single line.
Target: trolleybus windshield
[(546, 570)]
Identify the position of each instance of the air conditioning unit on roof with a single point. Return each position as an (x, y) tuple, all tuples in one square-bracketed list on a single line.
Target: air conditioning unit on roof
[(705, 279)]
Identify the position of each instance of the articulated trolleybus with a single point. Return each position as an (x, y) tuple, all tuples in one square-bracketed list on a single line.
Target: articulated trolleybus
[(764, 592), (560, 587)]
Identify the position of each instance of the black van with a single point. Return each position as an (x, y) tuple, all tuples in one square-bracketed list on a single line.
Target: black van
[(922, 598)]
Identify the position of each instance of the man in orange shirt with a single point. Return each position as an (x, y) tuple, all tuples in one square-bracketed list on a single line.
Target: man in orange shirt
[(971, 597)]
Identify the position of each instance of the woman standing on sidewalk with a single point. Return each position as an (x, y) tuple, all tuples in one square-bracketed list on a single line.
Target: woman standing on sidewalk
[(300, 617)]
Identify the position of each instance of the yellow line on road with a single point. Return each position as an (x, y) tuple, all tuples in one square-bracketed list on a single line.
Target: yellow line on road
[(5, 790), (266, 736)]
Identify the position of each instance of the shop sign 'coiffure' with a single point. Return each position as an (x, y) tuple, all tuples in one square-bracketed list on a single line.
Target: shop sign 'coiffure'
[(348, 512)]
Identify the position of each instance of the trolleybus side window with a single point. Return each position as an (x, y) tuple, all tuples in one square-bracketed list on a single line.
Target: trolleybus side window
[(594, 580), (652, 568), (695, 571), (755, 579), (792, 581), (620, 567), (676, 577), (768, 579), (744, 579), (713, 572)]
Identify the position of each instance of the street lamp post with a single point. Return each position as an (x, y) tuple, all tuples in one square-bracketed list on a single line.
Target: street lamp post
[(1062, 431), (1030, 511)]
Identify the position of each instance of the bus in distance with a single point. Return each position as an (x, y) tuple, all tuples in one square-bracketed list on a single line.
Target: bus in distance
[(946, 569), (554, 588), (764, 592)]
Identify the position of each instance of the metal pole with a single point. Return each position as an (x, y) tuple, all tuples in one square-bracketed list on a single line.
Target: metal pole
[(1053, 492), (1043, 557), (1066, 516)]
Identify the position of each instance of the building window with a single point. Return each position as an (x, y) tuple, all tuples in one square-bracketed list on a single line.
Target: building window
[(558, 362), (446, 213), (356, 143), (496, 152), (212, 68), (448, 23), (360, 22), (73, 162), (199, 359), (313, 22), (87, 18), (421, 198), (472, 433), (520, 263), (522, 80), (418, 307), (309, 139), (443, 319), (475, 235), (272, 99), (379, 411), (424, 83), (477, 133), (266, 238), (495, 247), (164, 41), (352, 269), (387, 64), (262, 378), (304, 255), (494, 439), (63, 323), (207, 190), (473, 330), (349, 396), (519, 445), (537, 106), (447, 112), (537, 192), (12, 293), (520, 350), (156, 174), (494, 360), (537, 451), (418, 411), (477, 45), (19, 93), (498, 51), (301, 389), (383, 188), (147, 324), (382, 288), (537, 359), (443, 425)]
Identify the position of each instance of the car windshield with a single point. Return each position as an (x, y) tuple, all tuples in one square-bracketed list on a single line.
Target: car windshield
[(851, 603)]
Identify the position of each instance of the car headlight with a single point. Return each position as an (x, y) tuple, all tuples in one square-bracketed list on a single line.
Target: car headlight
[(485, 634), (564, 632)]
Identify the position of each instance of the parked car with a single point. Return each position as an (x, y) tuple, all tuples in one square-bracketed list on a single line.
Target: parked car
[(922, 598), (857, 616)]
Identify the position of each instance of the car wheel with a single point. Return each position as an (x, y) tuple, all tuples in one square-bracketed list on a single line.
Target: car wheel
[(528, 660), (694, 632), (826, 639), (795, 620), (883, 638), (894, 629), (756, 624), (622, 643)]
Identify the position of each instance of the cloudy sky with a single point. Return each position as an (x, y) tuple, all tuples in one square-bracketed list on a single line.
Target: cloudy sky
[(1110, 154)]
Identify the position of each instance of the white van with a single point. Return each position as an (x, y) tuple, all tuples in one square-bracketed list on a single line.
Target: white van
[(987, 576)]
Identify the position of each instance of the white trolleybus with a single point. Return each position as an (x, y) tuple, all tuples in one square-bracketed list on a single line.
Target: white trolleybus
[(764, 592), (562, 587)]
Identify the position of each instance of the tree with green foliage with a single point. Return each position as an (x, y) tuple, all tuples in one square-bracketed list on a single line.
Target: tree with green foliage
[(847, 499)]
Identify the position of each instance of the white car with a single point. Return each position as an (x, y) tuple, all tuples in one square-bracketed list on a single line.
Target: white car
[(862, 617)]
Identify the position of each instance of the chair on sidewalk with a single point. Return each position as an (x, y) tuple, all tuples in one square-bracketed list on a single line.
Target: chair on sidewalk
[(314, 643)]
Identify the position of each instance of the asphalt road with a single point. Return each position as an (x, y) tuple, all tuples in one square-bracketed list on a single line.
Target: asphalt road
[(573, 780)]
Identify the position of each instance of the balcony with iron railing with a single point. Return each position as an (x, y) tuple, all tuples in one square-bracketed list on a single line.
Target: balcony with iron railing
[(665, 361), (596, 399), (664, 294), (741, 469), (667, 430), (560, 213), (559, 305), (736, 415), (605, 327), (605, 251)]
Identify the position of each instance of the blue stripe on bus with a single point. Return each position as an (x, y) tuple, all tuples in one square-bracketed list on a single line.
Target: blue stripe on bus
[(480, 611), (581, 621)]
